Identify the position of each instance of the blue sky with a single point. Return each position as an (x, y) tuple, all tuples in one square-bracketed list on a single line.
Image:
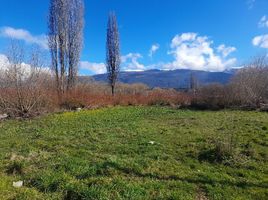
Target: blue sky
[(211, 35)]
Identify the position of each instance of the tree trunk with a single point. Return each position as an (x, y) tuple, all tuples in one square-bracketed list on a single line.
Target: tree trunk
[(113, 90)]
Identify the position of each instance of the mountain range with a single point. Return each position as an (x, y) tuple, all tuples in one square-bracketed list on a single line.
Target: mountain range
[(179, 78)]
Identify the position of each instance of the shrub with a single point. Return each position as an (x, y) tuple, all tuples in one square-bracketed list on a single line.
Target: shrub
[(71, 104), (85, 96), (24, 87), (250, 84), (214, 97), (222, 150)]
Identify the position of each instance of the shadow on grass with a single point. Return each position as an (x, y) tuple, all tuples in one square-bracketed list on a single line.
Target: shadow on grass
[(201, 180)]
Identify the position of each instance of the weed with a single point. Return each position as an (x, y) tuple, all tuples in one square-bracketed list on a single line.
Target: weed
[(16, 167)]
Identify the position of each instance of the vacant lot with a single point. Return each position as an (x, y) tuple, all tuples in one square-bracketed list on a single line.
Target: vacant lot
[(136, 153)]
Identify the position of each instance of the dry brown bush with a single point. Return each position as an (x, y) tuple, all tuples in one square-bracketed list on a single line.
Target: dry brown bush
[(24, 88), (98, 95), (247, 90), (250, 85), (214, 96)]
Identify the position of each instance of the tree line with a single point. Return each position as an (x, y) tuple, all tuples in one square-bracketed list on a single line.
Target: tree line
[(31, 89), (65, 39)]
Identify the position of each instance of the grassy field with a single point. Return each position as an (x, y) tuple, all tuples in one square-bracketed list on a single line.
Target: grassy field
[(136, 153)]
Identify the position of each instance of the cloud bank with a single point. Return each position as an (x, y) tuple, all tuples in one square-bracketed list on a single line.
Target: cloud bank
[(24, 68), (191, 51), (4, 63)]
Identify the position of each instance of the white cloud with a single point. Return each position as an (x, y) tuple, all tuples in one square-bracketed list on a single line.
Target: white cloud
[(24, 35), (130, 62), (96, 68), (192, 51), (24, 69), (153, 49), (226, 51), (5, 66), (263, 22), (4, 63), (178, 39), (261, 41)]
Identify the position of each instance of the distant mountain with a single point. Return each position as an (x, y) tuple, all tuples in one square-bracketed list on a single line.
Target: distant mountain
[(170, 79)]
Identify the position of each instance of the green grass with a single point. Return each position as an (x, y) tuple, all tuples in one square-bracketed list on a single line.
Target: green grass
[(107, 154)]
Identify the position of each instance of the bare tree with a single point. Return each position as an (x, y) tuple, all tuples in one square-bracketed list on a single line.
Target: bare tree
[(57, 41), (22, 86), (250, 84), (193, 82), (53, 42), (112, 51), (75, 38), (65, 39)]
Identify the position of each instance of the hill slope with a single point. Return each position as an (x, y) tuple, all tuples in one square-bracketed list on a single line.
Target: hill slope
[(170, 79)]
